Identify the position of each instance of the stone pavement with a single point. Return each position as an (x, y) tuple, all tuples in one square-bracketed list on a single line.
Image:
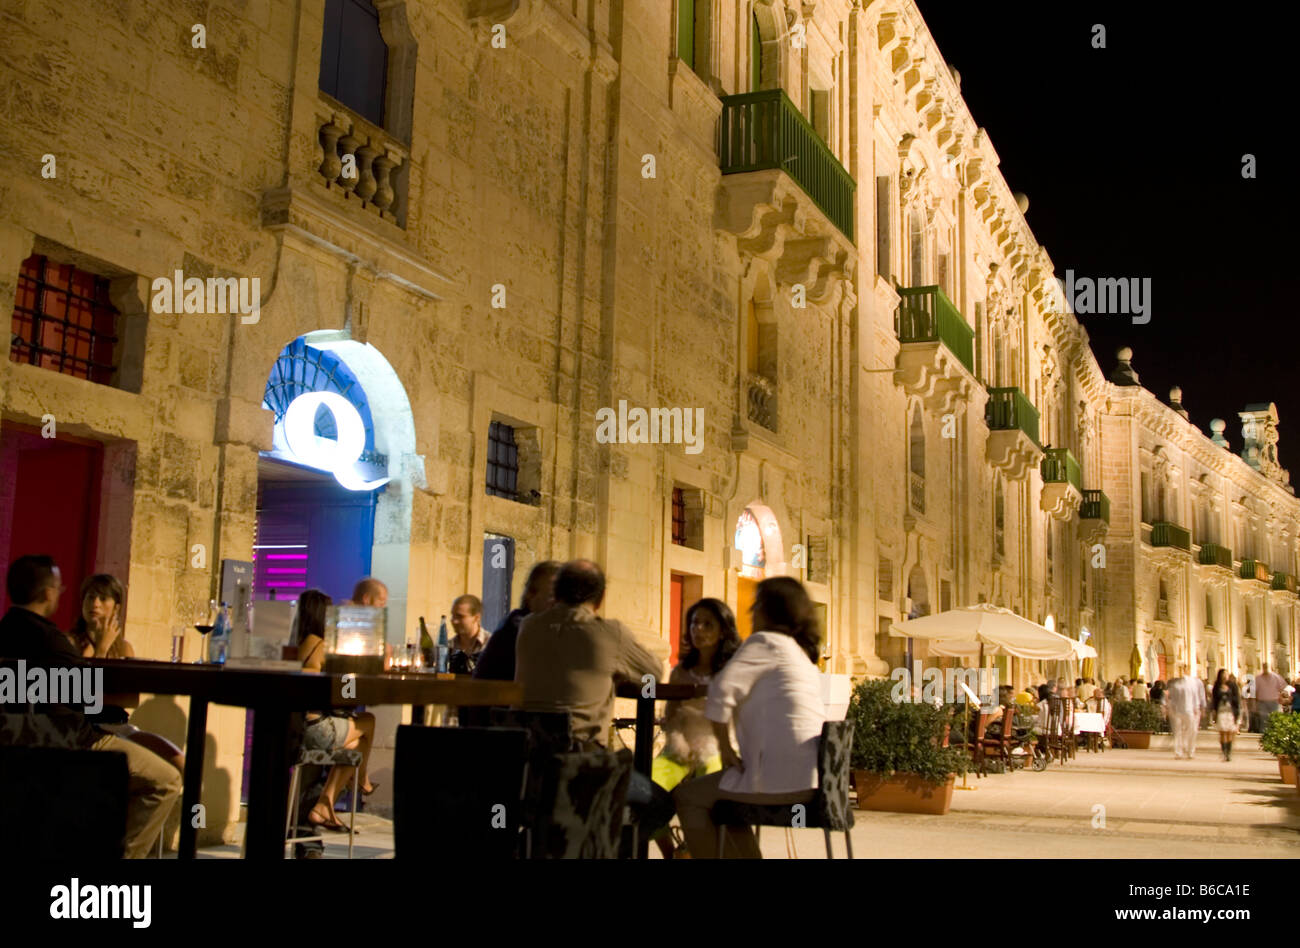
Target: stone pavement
[(1154, 807)]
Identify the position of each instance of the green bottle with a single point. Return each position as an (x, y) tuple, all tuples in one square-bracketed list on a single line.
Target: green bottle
[(426, 645)]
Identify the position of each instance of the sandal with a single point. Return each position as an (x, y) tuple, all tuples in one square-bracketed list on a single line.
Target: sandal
[(373, 787), (334, 826)]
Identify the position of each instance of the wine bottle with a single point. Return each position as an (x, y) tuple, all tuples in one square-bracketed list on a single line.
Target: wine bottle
[(444, 648), (426, 646)]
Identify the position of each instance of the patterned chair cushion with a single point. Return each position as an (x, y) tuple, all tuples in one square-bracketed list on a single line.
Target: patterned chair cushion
[(583, 805), (63, 729), (326, 758)]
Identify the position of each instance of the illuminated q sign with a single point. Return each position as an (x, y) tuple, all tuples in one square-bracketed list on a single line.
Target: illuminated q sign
[(325, 454)]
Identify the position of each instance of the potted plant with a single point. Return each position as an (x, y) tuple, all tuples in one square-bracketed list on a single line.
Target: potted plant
[(1281, 737), (899, 761), (1135, 722)]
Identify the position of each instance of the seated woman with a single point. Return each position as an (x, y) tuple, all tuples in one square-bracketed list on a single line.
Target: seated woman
[(691, 750), (98, 634), (330, 730), (771, 689)]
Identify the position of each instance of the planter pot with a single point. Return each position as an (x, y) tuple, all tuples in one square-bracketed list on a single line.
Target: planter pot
[(1137, 740), (1286, 770), (902, 793)]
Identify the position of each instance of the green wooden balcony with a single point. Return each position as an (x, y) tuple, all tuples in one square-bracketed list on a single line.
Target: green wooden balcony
[(1254, 569), (1284, 581), (764, 130), (1009, 410), (1059, 467), (925, 314), (1095, 506), (1212, 554), (1164, 533)]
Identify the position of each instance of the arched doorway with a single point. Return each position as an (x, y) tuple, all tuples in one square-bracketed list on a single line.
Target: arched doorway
[(1162, 661), (762, 554), (334, 493)]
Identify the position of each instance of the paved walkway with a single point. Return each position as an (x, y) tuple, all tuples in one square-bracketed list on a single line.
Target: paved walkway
[(1153, 806)]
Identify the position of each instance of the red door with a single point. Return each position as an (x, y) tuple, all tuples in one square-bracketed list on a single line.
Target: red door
[(675, 618), (53, 506)]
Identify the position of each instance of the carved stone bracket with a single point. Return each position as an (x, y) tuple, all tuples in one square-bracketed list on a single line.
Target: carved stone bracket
[(1213, 575), (931, 371), (775, 220), (1013, 452), (1060, 501), (1093, 530), (521, 17)]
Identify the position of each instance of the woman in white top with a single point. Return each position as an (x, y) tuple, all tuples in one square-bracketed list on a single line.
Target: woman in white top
[(771, 690)]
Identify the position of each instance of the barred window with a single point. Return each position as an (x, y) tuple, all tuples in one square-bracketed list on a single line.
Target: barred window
[(63, 320), (502, 462), (679, 516)]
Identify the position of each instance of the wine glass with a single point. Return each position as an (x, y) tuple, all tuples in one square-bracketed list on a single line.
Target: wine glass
[(205, 617)]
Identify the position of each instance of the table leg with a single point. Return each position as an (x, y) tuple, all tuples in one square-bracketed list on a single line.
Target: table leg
[(268, 784), (645, 739), (417, 714), (195, 747)]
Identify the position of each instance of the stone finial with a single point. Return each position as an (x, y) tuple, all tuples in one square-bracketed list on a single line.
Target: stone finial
[(1176, 401), (1217, 426), (956, 76), (1259, 437), (1123, 373), (1022, 201)]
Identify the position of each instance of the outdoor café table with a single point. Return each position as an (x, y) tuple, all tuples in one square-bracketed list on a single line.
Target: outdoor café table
[(272, 696), (1089, 722), (645, 727)]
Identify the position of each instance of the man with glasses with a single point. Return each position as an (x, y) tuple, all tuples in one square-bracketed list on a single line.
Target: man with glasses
[(26, 633)]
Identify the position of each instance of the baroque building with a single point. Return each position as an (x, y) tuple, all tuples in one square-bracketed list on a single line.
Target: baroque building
[(465, 227)]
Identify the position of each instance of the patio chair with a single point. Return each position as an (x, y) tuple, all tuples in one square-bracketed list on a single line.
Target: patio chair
[(64, 805), (342, 757), (457, 791), (829, 808), (999, 745), (549, 733), (1056, 740), (582, 806)]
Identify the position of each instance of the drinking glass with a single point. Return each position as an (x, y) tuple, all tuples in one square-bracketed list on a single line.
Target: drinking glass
[(205, 617), (178, 645)]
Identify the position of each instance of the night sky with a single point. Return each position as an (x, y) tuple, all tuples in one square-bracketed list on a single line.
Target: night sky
[(1132, 160)]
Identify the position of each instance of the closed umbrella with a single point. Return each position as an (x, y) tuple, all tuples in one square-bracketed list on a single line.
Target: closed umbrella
[(1088, 670), (1135, 663)]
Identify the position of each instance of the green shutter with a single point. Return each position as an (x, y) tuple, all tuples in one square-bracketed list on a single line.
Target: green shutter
[(755, 56), (686, 32)]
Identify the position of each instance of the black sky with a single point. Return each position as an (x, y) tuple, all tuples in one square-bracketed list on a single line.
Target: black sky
[(1131, 157)]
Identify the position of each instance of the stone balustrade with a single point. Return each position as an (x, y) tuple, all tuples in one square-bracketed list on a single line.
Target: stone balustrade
[(362, 162)]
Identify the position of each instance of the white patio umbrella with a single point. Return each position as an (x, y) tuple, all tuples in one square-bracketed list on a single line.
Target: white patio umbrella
[(986, 629)]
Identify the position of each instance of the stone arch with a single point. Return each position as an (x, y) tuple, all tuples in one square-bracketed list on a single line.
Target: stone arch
[(918, 590), (774, 21)]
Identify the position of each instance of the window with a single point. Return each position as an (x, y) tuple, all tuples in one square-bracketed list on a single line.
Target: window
[(885, 579), (63, 320), (503, 462), (999, 519), (883, 187), (686, 23), (1209, 612), (916, 460), (917, 243), (679, 517), (1051, 556), (755, 55), (498, 571), (1146, 498), (979, 342), (354, 58), (820, 107)]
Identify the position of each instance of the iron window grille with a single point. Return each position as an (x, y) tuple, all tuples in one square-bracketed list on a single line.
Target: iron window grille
[(679, 517), (503, 462), (64, 320)]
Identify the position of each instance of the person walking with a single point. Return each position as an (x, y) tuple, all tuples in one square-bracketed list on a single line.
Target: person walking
[(1226, 702), (1185, 701), (1268, 694)]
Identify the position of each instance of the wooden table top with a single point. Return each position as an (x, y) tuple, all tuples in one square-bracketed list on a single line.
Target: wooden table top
[(249, 687), (663, 691)]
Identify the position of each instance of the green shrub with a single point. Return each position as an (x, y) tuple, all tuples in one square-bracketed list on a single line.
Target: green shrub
[(1281, 735), (1136, 716), (900, 737)]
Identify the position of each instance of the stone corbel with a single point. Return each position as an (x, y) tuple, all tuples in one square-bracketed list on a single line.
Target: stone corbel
[(520, 17)]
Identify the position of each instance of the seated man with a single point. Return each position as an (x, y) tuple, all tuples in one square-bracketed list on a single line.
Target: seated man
[(26, 633)]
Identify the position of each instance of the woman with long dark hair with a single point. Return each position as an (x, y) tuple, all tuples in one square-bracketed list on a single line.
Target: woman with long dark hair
[(691, 749), (771, 690), (329, 730), (98, 629), (1225, 699)]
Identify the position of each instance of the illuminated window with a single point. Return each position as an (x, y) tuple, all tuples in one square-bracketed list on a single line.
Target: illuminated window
[(63, 320), (749, 541)]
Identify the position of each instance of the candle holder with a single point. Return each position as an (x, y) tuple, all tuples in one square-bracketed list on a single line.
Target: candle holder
[(354, 640)]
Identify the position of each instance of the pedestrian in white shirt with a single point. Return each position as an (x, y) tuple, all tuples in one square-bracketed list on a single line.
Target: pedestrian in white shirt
[(771, 689), (1185, 701)]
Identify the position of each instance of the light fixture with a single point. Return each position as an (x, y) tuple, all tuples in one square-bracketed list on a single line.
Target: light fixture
[(339, 456)]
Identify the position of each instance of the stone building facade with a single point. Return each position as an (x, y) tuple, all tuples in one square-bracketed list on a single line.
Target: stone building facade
[(496, 218)]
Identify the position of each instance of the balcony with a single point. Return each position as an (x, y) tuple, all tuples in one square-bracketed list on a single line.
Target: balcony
[(1062, 483), (1214, 563), (1284, 582), (763, 130), (1165, 534), (1013, 446), (762, 401), (1094, 516), (361, 162), (937, 357), (1253, 571), (784, 194)]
